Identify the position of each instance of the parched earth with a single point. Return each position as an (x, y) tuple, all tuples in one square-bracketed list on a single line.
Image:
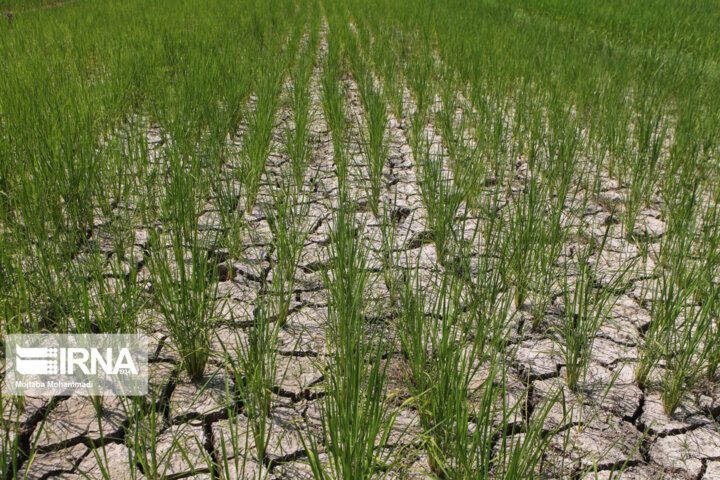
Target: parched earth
[(612, 423)]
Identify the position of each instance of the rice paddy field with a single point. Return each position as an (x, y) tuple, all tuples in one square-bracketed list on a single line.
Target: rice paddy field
[(462, 239)]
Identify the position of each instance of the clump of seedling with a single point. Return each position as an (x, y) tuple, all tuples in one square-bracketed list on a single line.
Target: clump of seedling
[(676, 336), (374, 144), (333, 104), (586, 306), (356, 422), (642, 166), (186, 294), (298, 137), (287, 217), (441, 197), (256, 370), (261, 122)]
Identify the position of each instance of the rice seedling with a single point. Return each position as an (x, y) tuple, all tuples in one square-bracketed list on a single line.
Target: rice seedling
[(10, 448), (356, 419), (373, 142), (444, 393), (682, 316), (526, 239), (186, 295), (298, 137), (256, 371), (261, 122), (287, 218), (651, 132), (113, 306), (420, 79), (451, 126), (440, 369), (707, 291), (441, 197), (389, 253), (143, 437), (233, 451), (333, 105), (683, 353), (228, 200), (585, 309)]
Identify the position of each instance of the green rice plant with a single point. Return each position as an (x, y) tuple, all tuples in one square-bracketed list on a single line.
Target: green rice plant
[(70, 167), (707, 291), (10, 422), (490, 138), (13, 291), (471, 175), (464, 159), (558, 171), (676, 335), (586, 307), (521, 456), (441, 197), (639, 174), (257, 141), (415, 334), (712, 351), (143, 435), (526, 237), (373, 142), (489, 303), (615, 132), (233, 452), (333, 105), (119, 153), (451, 126), (357, 63), (682, 190), (420, 77), (228, 191), (440, 365), (186, 294), (677, 246), (388, 65), (14, 450), (448, 387), (256, 371), (112, 301), (394, 88), (56, 292), (667, 302), (142, 438), (356, 416), (287, 218), (683, 353), (114, 296), (181, 207), (682, 318), (389, 252), (298, 138)]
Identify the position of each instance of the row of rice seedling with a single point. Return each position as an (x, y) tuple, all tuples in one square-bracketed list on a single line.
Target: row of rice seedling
[(355, 418)]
